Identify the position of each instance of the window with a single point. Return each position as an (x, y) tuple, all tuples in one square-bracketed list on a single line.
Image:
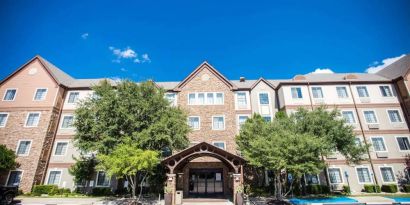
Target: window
[(219, 144), (67, 122), (387, 174), (191, 99), (32, 119), (61, 148), (312, 179), (194, 123), (241, 100), (201, 98), (54, 177), (218, 123), (394, 116), (210, 98), (23, 148), (3, 119), (364, 175), (386, 91), (378, 144), (342, 92), (171, 97), (40, 94), (14, 178), (296, 93), (103, 179), (219, 99), (335, 175), (205, 99), (357, 141), (362, 91), (267, 118), (241, 120), (317, 92), (10, 95), (370, 116), (73, 97), (263, 98), (403, 143), (349, 117)]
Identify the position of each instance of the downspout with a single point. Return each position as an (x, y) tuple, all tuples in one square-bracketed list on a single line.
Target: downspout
[(363, 134)]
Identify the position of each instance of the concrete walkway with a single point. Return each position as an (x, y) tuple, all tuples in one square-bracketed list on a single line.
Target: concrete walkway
[(372, 199), (65, 201)]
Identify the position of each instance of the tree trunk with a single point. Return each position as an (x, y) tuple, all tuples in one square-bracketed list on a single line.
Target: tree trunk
[(278, 186), (142, 181)]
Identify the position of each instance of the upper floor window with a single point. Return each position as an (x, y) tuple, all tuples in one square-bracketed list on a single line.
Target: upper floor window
[(378, 144), (171, 97), (61, 148), (241, 100), (23, 148), (219, 144), (14, 178), (386, 91), (205, 99), (362, 91), (403, 143), (357, 141), (218, 123), (394, 116), (33, 119), (3, 119), (296, 92), (317, 92), (263, 98), (68, 121), (54, 177), (387, 174), (267, 118), (73, 97), (10, 95), (342, 92), (335, 175), (242, 119), (370, 116), (40, 94), (194, 122), (349, 117), (103, 179)]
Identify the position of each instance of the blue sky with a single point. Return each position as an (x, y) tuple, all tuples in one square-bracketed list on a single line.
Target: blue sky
[(166, 40)]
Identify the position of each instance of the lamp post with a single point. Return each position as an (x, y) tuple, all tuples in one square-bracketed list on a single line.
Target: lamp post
[(347, 178)]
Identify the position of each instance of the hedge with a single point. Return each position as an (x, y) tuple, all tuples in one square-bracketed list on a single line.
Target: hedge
[(371, 188), (45, 189), (406, 188), (101, 191), (346, 190), (389, 188)]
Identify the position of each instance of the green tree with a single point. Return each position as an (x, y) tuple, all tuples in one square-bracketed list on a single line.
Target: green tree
[(285, 147), (83, 170), (127, 160), (7, 158)]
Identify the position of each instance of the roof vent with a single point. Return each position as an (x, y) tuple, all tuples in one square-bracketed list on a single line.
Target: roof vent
[(350, 76), (242, 79), (299, 77)]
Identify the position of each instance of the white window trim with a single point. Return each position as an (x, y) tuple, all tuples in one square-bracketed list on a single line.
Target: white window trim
[(367, 91), (29, 148), (96, 181), (301, 91), (219, 142), (375, 115), (62, 121), (354, 116), (248, 107), (400, 115), (237, 119), (205, 98), (269, 105), (347, 92), (7, 118), (318, 178), (59, 179), (341, 174), (68, 97), (28, 114), (45, 95), (398, 145), (321, 90), (199, 122), (5, 92), (370, 174), (213, 122), (55, 148), (384, 142), (8, 175), (381, 175), (391, 90)]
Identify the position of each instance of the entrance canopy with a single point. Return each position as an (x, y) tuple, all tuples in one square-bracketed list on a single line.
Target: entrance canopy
[(180, 159)]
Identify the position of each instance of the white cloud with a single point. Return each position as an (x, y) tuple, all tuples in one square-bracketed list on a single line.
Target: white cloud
[(137, 60), (123, 70), (128, 53), (145, 58), (376, 66), (322, 70), (84, 36), (116, 79)]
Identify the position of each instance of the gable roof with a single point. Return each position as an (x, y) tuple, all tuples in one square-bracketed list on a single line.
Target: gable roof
[(202, 66), (400, 68)]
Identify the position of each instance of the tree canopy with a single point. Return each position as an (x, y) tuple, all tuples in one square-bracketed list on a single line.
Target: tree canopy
[(7, 158)]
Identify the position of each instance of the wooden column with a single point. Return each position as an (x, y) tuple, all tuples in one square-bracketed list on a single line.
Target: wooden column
[(171, 184)]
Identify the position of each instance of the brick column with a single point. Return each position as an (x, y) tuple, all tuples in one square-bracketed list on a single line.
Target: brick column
[(236, 183), (171, 184)]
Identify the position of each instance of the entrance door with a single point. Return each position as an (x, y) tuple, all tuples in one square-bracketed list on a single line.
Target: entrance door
[(205, 182)]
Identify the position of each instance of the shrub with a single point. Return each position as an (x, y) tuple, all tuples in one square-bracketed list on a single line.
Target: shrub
[(389, 188), (314, 189), (325, 189), (44, 189), (371, 188), (101, 191), (406, 188), (346, 190)]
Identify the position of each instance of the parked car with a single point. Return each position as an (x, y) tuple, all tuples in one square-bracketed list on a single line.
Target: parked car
[(7, 194)]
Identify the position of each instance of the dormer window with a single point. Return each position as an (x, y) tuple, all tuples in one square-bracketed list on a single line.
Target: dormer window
[(40, 94), (296, 92), (241, 100)]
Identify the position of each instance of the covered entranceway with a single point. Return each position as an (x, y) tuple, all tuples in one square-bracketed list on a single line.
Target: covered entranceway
[(203, 171)]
